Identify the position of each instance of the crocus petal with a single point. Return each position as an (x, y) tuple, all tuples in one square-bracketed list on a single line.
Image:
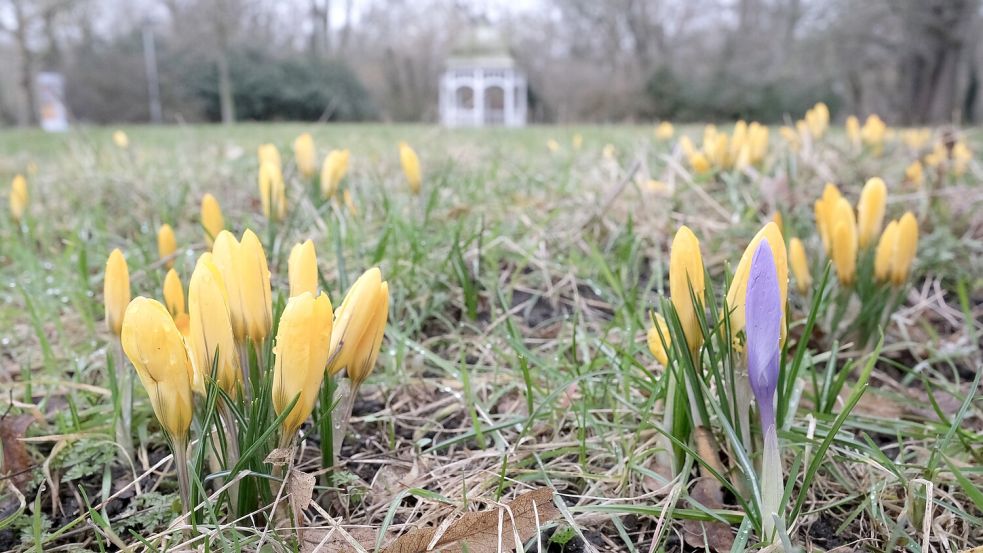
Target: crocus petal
[(763, 319)]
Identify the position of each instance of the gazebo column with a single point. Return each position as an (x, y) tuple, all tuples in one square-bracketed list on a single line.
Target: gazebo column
[(479, 98), (508, 104)]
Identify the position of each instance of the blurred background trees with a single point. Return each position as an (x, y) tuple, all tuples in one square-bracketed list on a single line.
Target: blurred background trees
[(911, 61)]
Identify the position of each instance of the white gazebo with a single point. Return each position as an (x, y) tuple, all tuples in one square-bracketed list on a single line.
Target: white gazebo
[(482, 86)]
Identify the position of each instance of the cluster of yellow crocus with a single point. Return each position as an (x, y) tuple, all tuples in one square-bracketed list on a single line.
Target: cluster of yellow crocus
[(333, 170), (896, 250), (816, 120), (18, 197), (212, 221), (837, 227), (747, 145), (844, 234), (874, 133), (916, 139), (957, 158), (664, 131), (305, 155), (411, 166)]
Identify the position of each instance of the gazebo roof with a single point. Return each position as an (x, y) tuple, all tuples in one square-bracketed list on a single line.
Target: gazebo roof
[(481, 47)]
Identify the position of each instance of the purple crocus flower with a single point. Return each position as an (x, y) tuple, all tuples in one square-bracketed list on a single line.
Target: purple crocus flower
[(763, 317)]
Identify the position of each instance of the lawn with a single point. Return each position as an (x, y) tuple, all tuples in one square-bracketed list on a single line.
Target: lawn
[(523, 281)]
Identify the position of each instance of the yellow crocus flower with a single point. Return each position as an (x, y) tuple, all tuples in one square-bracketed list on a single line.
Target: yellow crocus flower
[(844, 241), (905, 248), (173, 293), (210, 333), (800, 265), (305, 155), (915, 173), (359, 325), (154, 345), (884, 253), (699, 163), (254, 283), (302, 269), (18, 197), (333, 171), (211, 218), (226, 256), (853, 130), (737, 292), (272, 191), (655, 342), (116, 291), (166, 245), (664, 131), (685, 274), (577, 141), (870, 211), (120, 139), (270, 153), (411, 167), (303, 342)]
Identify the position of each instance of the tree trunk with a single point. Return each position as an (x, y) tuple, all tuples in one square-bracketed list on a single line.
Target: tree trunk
[(225, 99), (29, 116)]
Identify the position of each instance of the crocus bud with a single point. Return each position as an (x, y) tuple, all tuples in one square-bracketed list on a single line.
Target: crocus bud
[(173, 293), (915, 173), (884, 254), (577, 141), (155, 347), (166, 245), (302, 269), (116, 291), (18, 197), (905, 248), (332, 171), (853, 130), (303, 341), (270, 153), (210, 334), (656, 335), (765, 312), (664, 131), (121, 140), (411, 167), (738, 285), (211, 218), (870, 211), (359, 326), (800, 265), (225, 254), (699, 163), (305, 155), (844, 241), (272, 193), (686, 273), (825, 220), (254, 283)]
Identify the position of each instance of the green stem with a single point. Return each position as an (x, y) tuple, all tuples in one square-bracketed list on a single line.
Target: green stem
[(180, 450), (124, 423)]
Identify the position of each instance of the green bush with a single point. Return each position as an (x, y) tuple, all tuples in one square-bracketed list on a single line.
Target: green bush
[(297, 87)]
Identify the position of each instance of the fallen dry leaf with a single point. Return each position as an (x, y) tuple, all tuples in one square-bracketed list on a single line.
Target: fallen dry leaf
[(715, 535), (16, 460), (486, 531)]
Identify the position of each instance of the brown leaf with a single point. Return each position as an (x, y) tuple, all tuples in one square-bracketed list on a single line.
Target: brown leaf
[(715, 535), (279, 456), (16, 461), (481, 532)]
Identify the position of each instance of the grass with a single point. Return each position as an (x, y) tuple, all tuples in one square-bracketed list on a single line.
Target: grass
[(521, 282)]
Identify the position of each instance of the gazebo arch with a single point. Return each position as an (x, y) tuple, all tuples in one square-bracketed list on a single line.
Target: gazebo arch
[(482, 85)]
